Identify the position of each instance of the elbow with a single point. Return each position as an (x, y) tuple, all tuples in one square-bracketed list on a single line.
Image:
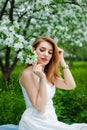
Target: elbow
[(40, 105), (72, 86), (40, 108), (42, 111)]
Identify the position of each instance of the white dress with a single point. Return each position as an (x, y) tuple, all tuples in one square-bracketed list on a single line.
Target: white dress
[(33, 120)]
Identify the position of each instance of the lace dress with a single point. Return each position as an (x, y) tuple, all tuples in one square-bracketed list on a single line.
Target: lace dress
[(33, 120)]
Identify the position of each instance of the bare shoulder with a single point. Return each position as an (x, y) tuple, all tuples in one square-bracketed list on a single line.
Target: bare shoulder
[(26, 72), (27, 76)]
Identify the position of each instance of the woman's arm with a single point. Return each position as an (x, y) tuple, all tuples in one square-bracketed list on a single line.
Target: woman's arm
[(41, 96), (68, 81), (35, 85)]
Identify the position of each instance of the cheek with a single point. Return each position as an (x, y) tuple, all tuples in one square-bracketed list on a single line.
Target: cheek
[(38, 53), (50, 57)]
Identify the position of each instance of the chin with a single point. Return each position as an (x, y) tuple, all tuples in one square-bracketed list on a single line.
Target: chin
[(43, 63)]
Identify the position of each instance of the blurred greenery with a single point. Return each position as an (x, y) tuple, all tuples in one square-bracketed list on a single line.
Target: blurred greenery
[(70, 106)]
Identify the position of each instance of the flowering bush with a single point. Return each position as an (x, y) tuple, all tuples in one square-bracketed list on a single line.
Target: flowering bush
[(27, 55), (9, 36)]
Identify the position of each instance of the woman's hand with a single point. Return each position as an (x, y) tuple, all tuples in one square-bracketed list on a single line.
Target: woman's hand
[(61, 58), (38, 70), (61, 51)]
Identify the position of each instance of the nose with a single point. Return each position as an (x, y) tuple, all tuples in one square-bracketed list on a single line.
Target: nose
[(46, 53)]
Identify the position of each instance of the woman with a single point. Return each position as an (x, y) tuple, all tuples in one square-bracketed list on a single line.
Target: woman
[(38, 83)]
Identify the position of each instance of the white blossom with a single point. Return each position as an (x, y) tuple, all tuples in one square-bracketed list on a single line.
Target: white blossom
[(28, 61), (33, 21), (20, 56), (18, 46), (9, 41)]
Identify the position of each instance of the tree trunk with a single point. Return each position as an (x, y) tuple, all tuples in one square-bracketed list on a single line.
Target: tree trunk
[(6, 76), (7, 71), (3, 9), (70, 62)]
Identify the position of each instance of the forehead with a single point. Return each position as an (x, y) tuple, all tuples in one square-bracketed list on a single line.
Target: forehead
[(45, 44)]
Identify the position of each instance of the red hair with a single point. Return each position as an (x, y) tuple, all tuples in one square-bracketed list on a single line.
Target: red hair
[(51, 70)]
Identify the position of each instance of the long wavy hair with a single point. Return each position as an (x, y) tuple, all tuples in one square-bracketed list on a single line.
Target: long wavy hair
[(51, 69)]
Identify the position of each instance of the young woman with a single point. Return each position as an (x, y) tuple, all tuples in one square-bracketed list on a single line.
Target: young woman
[(39, 82)]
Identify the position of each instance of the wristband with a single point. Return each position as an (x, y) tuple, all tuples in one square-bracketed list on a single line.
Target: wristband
[(65, 67)]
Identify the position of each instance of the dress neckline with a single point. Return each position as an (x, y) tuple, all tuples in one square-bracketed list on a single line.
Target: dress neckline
[(50, 85)]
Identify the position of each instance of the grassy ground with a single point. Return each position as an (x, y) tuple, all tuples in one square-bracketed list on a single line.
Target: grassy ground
[(70, 106)]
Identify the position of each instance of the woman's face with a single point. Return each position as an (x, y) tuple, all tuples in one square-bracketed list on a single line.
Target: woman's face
[(44, 53)]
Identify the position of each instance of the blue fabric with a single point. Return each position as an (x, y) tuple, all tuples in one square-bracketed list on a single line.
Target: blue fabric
[(9, 127)]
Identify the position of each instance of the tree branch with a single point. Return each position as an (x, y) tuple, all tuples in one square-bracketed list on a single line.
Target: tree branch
[(21, 16), (68, 2), (27, 25), (71, 2), (11, 10), (7, 56), (3, 48), (14, 63), (3, 9)]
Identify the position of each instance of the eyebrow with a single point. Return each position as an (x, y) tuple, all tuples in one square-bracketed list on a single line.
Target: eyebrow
[(45, 48)]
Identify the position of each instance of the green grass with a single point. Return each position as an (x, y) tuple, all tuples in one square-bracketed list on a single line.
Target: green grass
[(70, 106)]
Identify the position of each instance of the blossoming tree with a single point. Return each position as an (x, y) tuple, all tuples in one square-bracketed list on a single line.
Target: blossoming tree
[(22, 21)]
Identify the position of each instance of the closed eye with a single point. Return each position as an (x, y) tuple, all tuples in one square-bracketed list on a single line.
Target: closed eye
[(50, 52), (42, 50)]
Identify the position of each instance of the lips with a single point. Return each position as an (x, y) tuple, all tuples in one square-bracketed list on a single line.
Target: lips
[(44, 59)]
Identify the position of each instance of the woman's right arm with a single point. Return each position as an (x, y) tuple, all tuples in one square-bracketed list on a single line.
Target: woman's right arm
[(36, 89)]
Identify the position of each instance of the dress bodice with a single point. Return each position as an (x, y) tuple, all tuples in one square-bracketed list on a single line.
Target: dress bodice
[(26, 97)]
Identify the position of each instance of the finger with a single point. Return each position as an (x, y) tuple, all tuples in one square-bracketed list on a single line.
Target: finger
[(35, 63), (38, 65), (39, 68), (61, 50)]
